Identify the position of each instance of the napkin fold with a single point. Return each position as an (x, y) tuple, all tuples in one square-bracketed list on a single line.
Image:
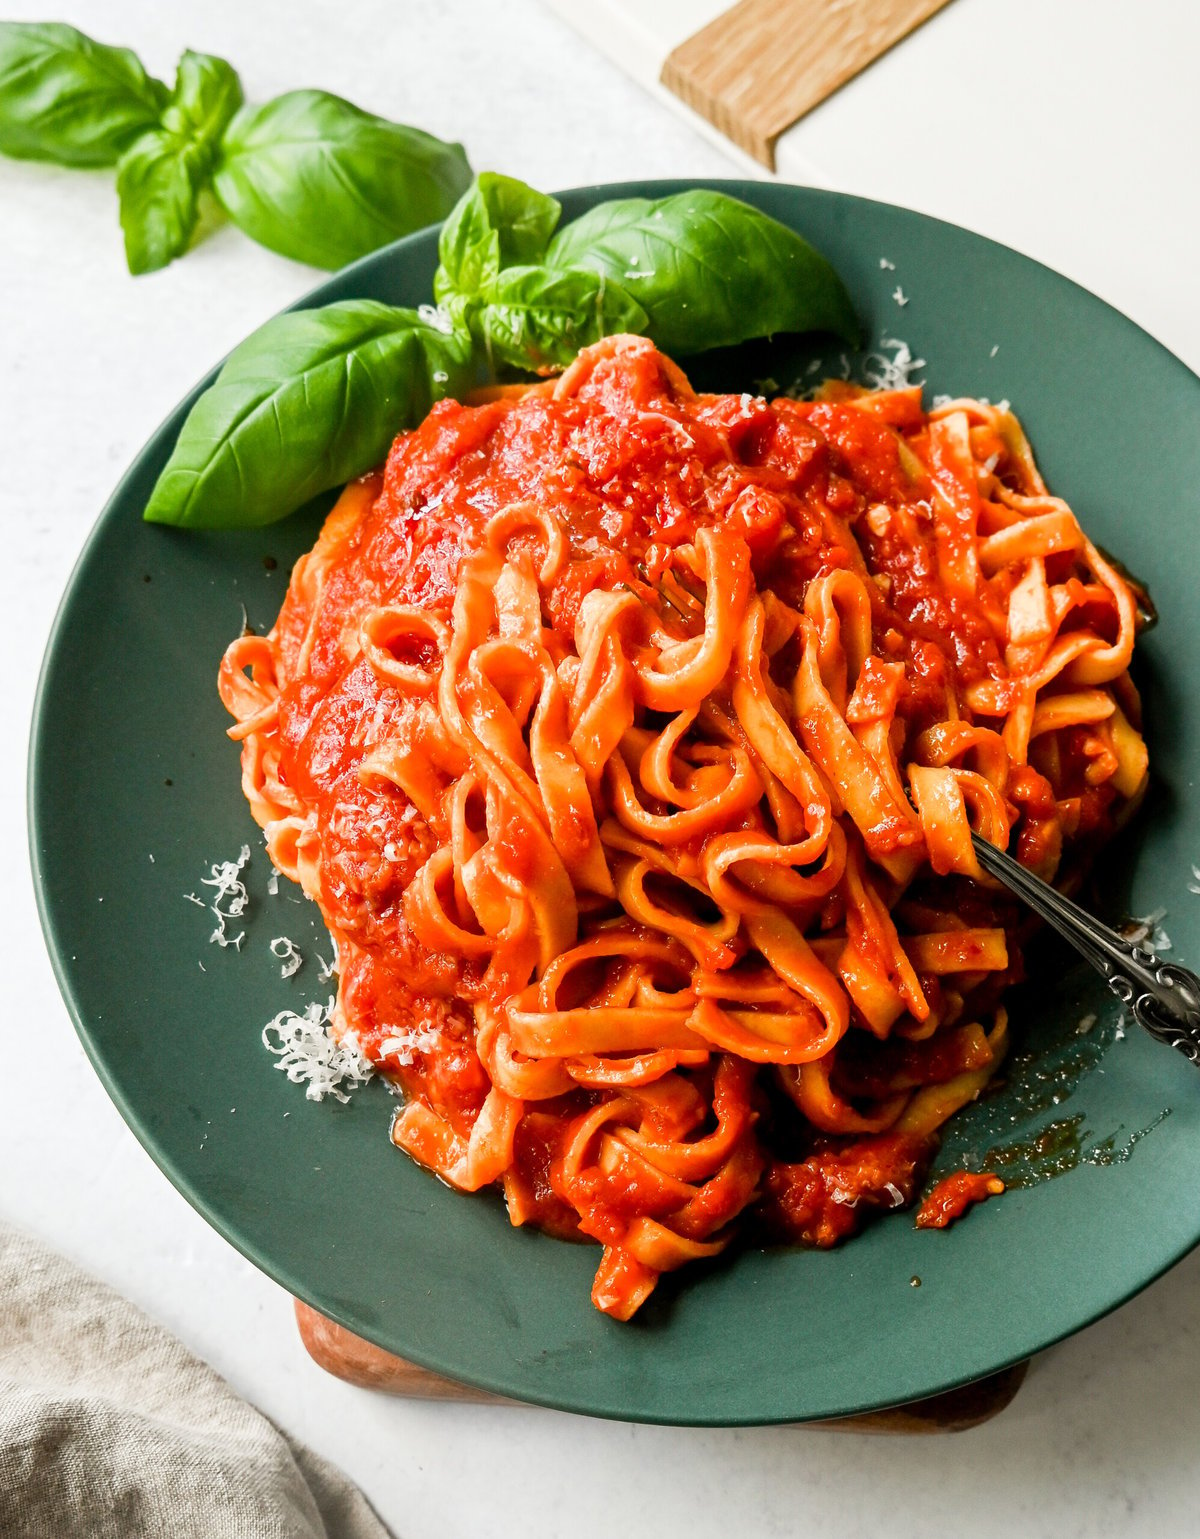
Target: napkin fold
[(112, 1429)]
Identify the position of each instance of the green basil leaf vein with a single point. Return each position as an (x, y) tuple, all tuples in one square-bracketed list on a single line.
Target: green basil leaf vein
[(317, 179), (499, 222), (708, 269), (309, 401), (69, 99), (536, 319)]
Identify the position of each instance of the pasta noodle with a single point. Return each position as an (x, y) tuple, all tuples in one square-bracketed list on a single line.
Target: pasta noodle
[(631, 741)]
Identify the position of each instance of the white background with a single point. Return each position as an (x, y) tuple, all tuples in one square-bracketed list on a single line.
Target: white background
[(1069, 130)]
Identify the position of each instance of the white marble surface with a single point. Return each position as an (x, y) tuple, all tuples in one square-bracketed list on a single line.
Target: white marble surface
[(1102, 1439)]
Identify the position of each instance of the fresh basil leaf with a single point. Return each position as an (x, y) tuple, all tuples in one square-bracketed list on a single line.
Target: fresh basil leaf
[(536, 319), (708, 269), (523, 218), (309, 401), (158, 184), (207, 94), (315, 178), (160, 177), (66, 98), (499, 222)]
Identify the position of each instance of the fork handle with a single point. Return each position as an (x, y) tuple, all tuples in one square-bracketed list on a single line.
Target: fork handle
[(1164, 997)]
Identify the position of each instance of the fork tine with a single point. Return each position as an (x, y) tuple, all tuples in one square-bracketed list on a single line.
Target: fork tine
[(1164, 997), (672, 600), (680, 598)]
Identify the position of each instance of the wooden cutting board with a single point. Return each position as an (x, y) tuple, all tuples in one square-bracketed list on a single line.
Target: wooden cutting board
[(349, 1357), (748, 70)]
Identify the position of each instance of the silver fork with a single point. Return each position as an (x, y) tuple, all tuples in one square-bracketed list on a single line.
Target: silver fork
[(1164, 997)]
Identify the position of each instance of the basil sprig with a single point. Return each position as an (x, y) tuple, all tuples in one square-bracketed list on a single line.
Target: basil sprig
[(500, 222), (492, 282), (308, 174), (315, 397)]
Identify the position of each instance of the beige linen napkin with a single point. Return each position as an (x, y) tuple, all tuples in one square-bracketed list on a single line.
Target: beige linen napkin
[(112, 1429)]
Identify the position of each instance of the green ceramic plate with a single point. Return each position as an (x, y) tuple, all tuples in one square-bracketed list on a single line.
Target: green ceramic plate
[(129, 761)]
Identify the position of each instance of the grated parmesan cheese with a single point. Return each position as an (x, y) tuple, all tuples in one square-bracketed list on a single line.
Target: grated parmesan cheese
[(226, 878), (890, 369), (404, 1045), (287, 952), (1149, 931), (886, 266), (900, 296), (895, 373), (437, 317), (309, 1056)]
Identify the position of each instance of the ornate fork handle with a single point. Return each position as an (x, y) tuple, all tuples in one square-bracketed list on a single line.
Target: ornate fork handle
[(1164, 997)]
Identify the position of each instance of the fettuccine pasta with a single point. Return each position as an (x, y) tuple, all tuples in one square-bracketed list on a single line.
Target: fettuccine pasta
[(631, 742)]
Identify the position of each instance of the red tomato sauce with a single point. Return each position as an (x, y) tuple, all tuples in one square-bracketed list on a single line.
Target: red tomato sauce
[(953, 1195), (825, 1197), (633, 467)]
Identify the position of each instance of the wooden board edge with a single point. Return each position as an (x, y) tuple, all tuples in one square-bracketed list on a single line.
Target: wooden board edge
[(347, 1356), (760, 66)]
